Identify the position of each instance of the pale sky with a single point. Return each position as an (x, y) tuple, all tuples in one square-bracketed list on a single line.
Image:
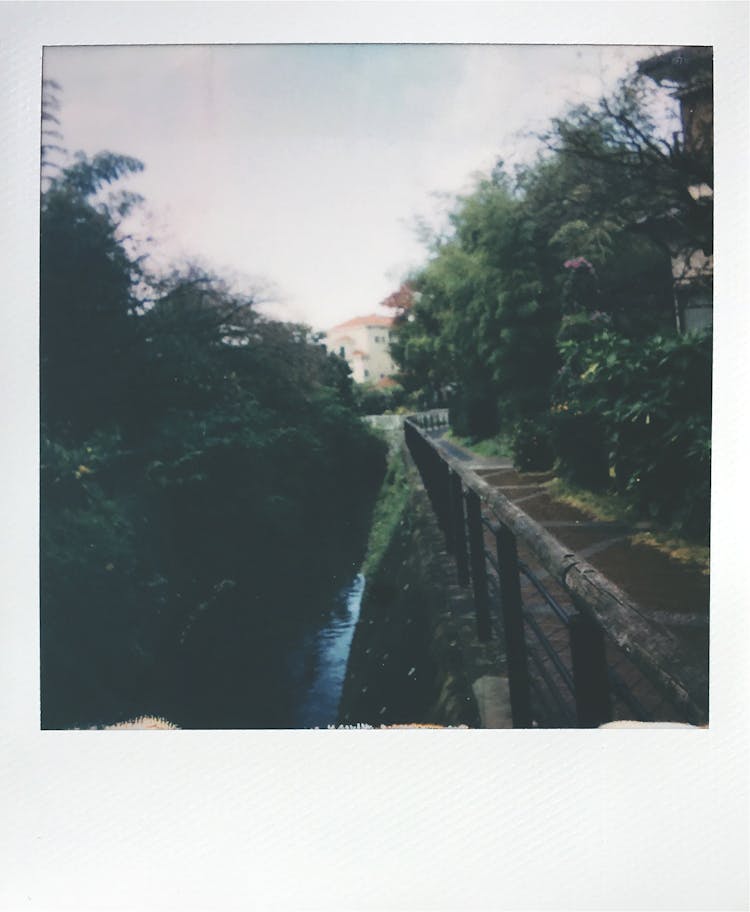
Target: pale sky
[(304, 166)]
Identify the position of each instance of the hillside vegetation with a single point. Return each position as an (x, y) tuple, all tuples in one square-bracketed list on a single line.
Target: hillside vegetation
[(545, 313), (196, 459)]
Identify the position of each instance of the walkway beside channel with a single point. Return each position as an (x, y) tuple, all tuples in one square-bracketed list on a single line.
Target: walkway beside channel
[(654, 618), (673, 593)]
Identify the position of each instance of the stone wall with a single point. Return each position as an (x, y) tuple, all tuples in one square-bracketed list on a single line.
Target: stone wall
[(410, 661)]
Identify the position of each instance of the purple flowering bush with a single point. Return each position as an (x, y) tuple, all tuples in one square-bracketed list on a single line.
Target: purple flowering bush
[(579, 263), (580, 289)]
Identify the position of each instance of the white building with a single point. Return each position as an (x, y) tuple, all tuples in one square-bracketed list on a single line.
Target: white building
[(364, 343)]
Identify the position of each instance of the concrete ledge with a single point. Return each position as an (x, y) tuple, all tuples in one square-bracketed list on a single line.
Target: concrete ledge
[(493, 700)]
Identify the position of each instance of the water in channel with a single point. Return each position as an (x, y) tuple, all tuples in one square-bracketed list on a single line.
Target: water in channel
[(273, 654), (327, 654), (269, 663)]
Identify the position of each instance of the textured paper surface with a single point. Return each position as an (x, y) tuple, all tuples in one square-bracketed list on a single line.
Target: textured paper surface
[(366, 819)]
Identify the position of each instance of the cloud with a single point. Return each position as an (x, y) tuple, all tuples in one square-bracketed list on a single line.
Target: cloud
[(307, 163)]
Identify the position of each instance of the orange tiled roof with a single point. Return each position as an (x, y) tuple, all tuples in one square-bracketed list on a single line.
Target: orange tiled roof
[(369, 320)]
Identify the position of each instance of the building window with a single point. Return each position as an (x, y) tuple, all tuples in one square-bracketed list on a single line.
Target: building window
[(342, 352), (377, 338), (367, 373)]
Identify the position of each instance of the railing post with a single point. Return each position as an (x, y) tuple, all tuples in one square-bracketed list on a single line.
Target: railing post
[(428, 472), (590, 676), (478, 565), (515, 637), (458, 528), (444, 497), (434, 468)]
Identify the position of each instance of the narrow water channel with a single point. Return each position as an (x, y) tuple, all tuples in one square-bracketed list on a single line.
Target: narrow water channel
[(328, 653), (269, 664), (274, 659)]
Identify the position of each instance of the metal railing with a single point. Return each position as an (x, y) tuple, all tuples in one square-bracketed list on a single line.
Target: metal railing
[(431, 419), (573, 681)]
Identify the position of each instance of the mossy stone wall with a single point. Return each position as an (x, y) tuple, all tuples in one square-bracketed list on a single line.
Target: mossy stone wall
[(405, 664)]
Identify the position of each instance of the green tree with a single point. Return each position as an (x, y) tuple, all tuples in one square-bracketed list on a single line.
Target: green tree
[(554, 289), (193, 454), (490, 299), (87, 300), (484, 322), (649, 175)]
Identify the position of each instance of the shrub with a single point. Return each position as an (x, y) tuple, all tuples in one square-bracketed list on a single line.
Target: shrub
[(376, 400), (580, 444), (531, 445), (473, 413), (642, 408), (581, 327), (98, 603)]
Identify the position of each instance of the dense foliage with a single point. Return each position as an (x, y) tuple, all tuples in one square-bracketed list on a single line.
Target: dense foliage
[(546, 313), (379, 399), (638, 412), (196, 459)]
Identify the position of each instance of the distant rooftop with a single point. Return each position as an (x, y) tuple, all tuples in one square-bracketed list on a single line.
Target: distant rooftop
[(683, 67), (369, 320)]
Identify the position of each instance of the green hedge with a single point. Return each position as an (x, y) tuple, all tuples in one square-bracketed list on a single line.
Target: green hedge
[(531, 445), (642, 410)]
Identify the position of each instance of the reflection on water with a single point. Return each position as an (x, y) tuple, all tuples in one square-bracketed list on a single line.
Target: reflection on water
[(258, 664), (327, 652)]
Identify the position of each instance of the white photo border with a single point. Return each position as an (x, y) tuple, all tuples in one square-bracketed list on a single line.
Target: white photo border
[(367, 819)]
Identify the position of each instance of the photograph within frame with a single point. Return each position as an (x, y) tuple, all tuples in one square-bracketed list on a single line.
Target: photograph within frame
[(226, 543)]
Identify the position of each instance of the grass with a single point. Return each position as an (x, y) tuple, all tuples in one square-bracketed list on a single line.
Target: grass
[(616, 508), (603, 506), (389, 512), (677, 548), (498, 446), (608, 507)]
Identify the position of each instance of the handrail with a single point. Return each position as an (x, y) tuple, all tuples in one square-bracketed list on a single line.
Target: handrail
[(653, 649), (431, 418)]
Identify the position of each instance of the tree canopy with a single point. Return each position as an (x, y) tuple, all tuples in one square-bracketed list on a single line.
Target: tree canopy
[(539, 273), (192, 452)]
